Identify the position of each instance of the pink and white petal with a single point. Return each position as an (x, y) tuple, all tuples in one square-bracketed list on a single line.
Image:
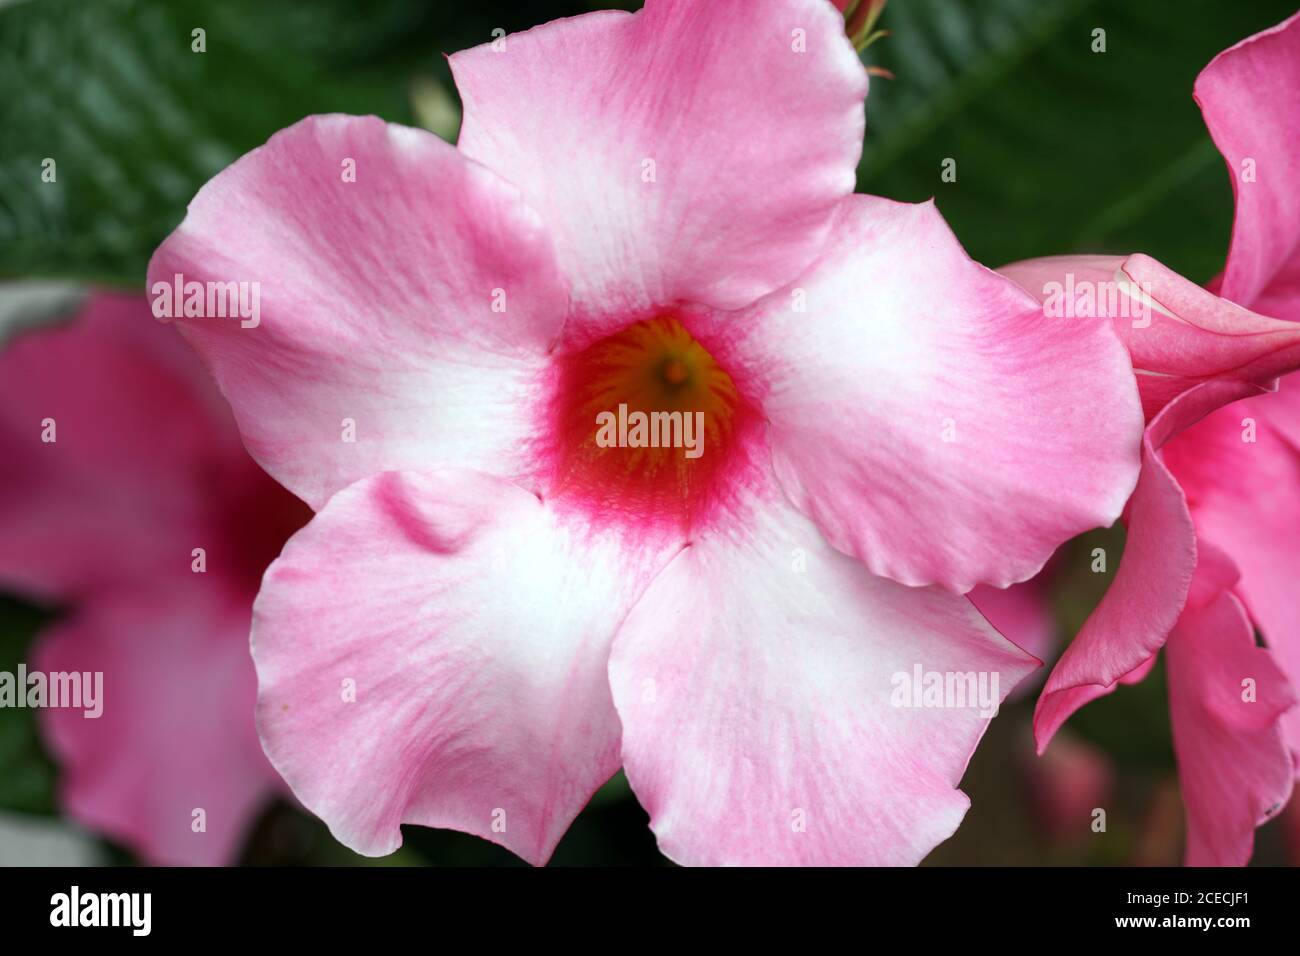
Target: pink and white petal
[(1150, 590), (926, 415), (432, 649), (1240, 467), (116, 495), (414, 301), (1226, 698), (1177, 334), (758, 681), (687, 152), (176, 733), (1250, 97)]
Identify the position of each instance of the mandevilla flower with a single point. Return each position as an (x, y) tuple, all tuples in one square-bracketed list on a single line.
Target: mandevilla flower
[(503, 597), (120, 460), (1213, 522)]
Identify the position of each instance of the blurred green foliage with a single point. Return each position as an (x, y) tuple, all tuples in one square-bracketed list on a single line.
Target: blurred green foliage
[(27, 776), (1059, 149), (137, 121)]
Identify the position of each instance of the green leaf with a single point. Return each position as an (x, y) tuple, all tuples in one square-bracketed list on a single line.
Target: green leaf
[(136, 120), (27, 776), (1058, 149)]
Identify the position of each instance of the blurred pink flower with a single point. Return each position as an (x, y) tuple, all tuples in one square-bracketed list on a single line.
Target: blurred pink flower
[(145, 466), (491, 610), (1066, 786), (1213, 522)]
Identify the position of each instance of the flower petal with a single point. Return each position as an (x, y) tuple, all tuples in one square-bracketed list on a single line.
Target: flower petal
[(1250, 97), (1240, 467), (758, 684), (687, 152), (1177, 334), (175, 734), (927, 416), (1022, 614), (1234, 767), (431, 649), (117, 496), (415, 302), (1141, 606)]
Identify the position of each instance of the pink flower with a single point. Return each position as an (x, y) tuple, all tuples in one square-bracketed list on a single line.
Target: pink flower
[(1213, 522), (492, 610), (120, 460), (1065, 788)]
